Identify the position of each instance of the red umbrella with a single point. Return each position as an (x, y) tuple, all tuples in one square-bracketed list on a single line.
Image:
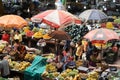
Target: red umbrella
[(101, 35), (55, 18)]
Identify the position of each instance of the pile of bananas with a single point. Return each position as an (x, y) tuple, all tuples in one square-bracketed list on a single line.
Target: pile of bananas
[(29, 56), (51, 68), (83, 75), (23, 65), (93, 76), (13, 64), (19, 66), (69, 74), (77, 77)]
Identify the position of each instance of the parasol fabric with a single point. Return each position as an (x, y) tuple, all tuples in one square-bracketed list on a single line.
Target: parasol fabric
[(56, 18), (93, 14), (10, 21), (101, 35), (60, 35)]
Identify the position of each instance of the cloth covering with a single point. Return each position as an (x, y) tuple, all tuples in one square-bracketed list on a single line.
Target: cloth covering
[(36, 69)]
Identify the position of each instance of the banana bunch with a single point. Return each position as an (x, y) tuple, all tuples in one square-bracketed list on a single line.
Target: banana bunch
[(19, 66), (77, 77), (51, 68), (56, 74), (29, 56), (93, 76), (69, 78), (68, 70), (63, 74), (13, 64), (45, 74), (23, 65), (83, 75)]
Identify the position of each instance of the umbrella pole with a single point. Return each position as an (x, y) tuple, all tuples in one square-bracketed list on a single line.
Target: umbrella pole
[(11, 38), (56, 46), (101, 51)]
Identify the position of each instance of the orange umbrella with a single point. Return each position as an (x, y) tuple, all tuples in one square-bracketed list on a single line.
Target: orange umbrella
[(10, 21)]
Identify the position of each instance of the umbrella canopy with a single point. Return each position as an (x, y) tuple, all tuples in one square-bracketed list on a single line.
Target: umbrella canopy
[(10, 21), (56, 18), (93, 14), (60, 35), (101, 35)]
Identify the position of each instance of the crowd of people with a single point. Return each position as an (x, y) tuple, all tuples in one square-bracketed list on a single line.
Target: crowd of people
[(83, 50)]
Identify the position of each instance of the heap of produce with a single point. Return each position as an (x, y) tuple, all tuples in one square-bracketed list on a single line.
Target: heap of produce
[(29, 57), (20, 66), (76, 32), (68, 74), (93, 76), (51, 68)]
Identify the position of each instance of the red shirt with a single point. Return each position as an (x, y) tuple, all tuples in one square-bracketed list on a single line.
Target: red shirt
[(115, 49), (5, 37), (64, 53)]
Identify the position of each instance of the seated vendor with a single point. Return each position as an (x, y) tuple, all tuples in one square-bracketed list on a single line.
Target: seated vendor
[(94, 58), (6, 49), (20, 50), (68, 59)]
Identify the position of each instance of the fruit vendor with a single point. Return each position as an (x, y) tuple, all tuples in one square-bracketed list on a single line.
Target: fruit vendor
[(79, 51), (20, 50), (5, 36), (67, 58)]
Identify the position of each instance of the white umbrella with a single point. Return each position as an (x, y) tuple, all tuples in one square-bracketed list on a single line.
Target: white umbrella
[(93, 14)]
